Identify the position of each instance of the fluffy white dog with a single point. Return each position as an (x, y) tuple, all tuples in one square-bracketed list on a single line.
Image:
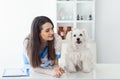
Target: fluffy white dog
[(78, 56)]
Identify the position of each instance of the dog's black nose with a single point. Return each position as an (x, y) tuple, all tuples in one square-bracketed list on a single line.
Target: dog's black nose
[(78, 39)]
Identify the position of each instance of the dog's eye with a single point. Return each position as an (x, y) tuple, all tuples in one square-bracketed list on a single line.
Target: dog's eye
[(80, 34), (74, 35)]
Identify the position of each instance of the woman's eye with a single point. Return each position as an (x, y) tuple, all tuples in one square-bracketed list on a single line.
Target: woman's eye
[(47, 30), (80, 34), (74, 35)]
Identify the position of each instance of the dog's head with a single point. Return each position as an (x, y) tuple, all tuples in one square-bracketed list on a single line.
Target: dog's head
[(77, 36)]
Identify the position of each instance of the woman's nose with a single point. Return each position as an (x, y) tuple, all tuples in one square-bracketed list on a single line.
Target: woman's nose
[(52, 32)]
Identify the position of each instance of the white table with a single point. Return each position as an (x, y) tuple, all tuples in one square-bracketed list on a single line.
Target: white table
[(101, 71)]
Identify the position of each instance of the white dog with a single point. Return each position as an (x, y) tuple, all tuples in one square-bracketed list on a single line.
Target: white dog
[(78, 56)]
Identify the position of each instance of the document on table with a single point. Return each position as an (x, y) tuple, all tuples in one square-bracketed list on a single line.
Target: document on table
[(15, 72)]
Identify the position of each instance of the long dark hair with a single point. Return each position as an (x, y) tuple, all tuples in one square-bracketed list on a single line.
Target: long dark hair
[(34, 42)]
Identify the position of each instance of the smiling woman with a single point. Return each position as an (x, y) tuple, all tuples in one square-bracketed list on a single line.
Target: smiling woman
[(43, 47)]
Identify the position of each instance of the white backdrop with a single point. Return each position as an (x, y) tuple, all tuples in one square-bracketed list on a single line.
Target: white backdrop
[(108, 31), (16, 17), (15, 21)]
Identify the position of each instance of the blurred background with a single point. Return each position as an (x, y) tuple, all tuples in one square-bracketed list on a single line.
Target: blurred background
[(16, 17)]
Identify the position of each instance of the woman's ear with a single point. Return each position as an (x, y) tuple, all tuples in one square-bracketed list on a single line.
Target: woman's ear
[(69, 35)]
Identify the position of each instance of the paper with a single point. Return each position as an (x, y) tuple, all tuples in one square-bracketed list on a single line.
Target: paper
[(15, 72)]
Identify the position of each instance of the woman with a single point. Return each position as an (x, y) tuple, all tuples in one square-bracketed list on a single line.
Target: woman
[(43, 47)]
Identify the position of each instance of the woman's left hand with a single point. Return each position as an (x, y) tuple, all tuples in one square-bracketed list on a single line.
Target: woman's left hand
[(59, 68)]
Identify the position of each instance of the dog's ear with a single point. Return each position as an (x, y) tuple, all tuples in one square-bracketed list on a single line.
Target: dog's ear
[(85, 32), (69, 35)]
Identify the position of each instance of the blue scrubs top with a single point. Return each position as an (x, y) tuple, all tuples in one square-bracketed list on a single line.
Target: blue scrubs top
[(45, 62)]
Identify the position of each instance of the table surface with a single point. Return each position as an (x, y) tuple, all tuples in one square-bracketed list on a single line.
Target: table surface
[(101, 71)]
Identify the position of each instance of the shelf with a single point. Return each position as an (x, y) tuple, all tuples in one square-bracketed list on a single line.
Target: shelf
[(65, 21), (87, 2), (65, 24), (65, 11), (84, 21), (67, 2), (77, 14)]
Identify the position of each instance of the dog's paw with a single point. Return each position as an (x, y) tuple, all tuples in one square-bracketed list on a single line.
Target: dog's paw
[(79, 66), (87, 70), (72, 70)]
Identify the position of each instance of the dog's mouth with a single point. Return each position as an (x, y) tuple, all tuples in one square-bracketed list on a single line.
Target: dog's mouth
[(78, 41)]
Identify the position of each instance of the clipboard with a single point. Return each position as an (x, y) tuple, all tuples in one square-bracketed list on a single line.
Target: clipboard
[(15, 72)]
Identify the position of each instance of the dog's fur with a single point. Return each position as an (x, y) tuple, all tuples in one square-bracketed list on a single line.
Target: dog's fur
[(78, 56)]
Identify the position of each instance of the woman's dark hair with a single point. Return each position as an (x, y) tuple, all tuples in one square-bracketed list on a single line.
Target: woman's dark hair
[(35, 43)]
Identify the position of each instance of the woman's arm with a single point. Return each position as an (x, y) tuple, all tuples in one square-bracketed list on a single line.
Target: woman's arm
[(56, 71), (53, 72), (58, 44), (44, 71), (56, 65)]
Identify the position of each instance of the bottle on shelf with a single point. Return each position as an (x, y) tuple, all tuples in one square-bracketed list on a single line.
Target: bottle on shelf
[(90, 17), (81, 18), (78, 17), (61, 32), (75, 14), (68, 29)]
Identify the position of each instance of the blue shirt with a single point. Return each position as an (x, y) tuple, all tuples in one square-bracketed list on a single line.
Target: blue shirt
[(45, 63)]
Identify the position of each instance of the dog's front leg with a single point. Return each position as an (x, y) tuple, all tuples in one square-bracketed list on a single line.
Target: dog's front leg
[(71, 67), (86, 67), (79, 65)]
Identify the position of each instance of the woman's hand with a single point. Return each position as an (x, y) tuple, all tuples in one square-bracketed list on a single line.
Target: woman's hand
[(58, 71)]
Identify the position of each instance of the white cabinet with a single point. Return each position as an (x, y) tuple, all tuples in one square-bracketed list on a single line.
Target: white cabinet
[(76, 14)]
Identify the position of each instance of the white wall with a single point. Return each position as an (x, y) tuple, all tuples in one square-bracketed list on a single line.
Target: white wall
[(108, 31), (15, 21), (16, 17)]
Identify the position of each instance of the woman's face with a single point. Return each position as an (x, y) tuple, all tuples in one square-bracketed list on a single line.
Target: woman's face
[(47, 32)]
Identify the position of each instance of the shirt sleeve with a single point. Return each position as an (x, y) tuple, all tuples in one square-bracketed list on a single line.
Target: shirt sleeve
[(58, 45), (24, 55)]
